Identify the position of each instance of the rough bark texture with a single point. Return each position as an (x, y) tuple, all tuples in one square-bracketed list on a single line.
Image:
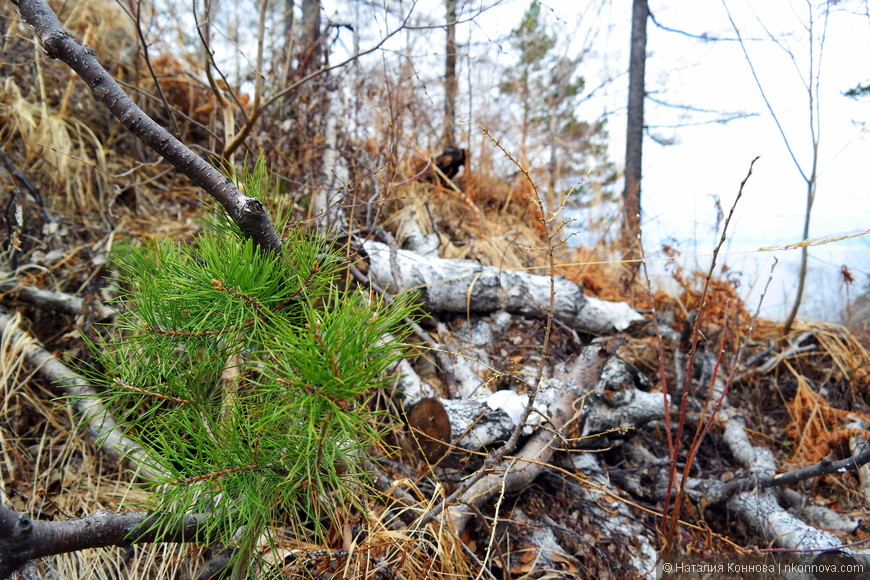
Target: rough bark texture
[(310, 43), (464, 286), (519, 472), (634, 131), (451, 86), (23, 539)]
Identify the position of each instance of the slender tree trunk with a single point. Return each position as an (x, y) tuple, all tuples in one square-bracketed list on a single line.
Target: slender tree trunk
[(802, 276), (451, 86), (289, 22), (552, 169), (634, 134), (289, 6), (315, 103), (812, 178), (311, 47)]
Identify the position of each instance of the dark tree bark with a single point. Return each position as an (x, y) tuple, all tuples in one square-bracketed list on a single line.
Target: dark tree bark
[(451, 86), (23, 539), (634, 134), (247, 212), (311, 45)]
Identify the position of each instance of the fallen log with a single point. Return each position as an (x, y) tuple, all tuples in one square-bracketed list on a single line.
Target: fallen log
[(465, 286)]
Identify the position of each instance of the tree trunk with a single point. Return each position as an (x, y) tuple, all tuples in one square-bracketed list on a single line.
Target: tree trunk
[(310, 45), (634, 134), (802, 276), (553, 204), (451, 86), (319, 108)]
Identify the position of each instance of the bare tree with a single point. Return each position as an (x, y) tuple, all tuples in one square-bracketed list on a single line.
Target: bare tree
[(634, 134), (810, 80), (451, 86), (311, 45)]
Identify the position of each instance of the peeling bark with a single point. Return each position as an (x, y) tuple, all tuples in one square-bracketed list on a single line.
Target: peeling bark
[(464, 286)]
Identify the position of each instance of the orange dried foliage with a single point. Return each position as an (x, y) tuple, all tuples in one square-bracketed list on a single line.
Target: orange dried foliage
[(721, 295), (196, 100), (590, 268), (818, 428), (181, 91)]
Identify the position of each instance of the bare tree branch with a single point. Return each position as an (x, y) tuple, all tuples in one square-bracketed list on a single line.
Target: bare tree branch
[(247, 212), (826, 467), (23, 539)]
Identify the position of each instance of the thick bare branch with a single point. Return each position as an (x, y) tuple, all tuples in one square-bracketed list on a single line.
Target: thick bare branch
[(465, 286), (23, 539), (247, 212)]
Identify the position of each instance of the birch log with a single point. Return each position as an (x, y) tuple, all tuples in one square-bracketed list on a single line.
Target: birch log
[(465, 286)]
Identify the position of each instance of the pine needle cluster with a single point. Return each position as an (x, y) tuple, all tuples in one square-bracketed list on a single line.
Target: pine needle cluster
[(245, 375)]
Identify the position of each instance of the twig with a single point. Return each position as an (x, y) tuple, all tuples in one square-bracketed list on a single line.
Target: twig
[(34, 192), (534, 454), (824, 467), (671, 521)]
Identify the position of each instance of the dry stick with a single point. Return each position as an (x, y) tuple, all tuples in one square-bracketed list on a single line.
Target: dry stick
[(670, 524), (34, 192), (247, 212), (701, 433), (536, 452), (51, 300), (825, 467)]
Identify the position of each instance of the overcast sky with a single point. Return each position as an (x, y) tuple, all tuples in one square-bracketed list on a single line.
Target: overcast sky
[(710, 159)]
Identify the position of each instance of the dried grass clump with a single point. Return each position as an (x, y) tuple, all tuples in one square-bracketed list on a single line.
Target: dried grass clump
[(464, 229), (50, 121), (51, 475), (830, 404), (61, 151)]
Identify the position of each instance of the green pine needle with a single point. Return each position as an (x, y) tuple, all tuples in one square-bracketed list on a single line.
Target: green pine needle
[(244, 375)]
